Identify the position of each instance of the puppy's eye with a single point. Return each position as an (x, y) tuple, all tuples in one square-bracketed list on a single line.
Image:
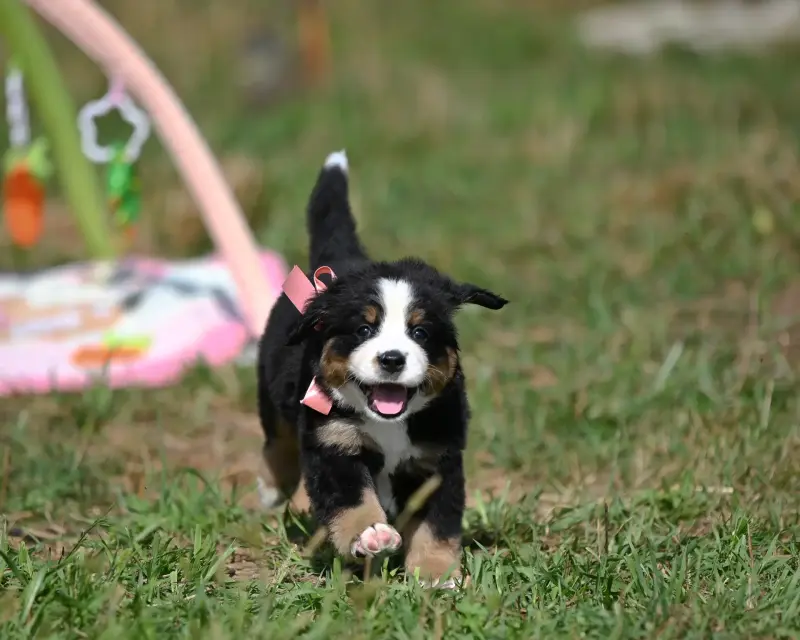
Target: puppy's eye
[(364, 331), (419, 334)]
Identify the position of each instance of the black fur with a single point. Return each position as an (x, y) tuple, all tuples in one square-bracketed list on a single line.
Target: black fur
[(290, 355)]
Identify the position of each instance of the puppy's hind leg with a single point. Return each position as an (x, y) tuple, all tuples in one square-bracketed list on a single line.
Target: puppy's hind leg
[(281, 458)]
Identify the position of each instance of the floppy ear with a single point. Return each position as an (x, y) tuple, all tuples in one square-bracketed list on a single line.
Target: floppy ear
[(467, 293), (311, 320)]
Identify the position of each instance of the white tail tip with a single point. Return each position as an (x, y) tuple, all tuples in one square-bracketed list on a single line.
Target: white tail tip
[(337, 159)]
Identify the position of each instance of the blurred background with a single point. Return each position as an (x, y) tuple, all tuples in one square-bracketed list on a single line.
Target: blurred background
[(626, 174), (629, 180)]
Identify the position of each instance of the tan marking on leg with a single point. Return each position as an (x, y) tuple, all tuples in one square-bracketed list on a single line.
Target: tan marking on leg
[(282, 459), (349, 523), (344, 436), (300, 502), (440, 373), (371, 314), (335, 367), (435, 558)]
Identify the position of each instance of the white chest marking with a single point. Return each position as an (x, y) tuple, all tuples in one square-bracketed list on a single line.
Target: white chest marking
[(396, 447)]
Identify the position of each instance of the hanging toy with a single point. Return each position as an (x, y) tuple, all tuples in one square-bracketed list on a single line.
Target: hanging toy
[(123, 189), (26, 169)]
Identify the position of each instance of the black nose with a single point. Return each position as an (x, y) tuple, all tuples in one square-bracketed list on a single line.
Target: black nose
[(392, 361)]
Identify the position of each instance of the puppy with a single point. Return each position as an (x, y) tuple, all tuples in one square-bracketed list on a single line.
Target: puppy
[(381, 343)]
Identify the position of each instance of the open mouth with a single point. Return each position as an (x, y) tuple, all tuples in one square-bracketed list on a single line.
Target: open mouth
[(388, 400)]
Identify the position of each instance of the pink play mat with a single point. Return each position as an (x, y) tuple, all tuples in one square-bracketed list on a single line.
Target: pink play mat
[(139, 322)]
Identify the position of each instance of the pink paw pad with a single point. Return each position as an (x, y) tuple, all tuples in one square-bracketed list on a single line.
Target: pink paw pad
[(448, 585), (379, 538)]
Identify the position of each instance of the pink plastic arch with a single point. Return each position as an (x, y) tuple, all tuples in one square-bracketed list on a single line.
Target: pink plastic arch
[(103, 40)]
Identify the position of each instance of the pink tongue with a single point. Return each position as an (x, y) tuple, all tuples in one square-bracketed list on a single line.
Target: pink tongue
[(389, 399)]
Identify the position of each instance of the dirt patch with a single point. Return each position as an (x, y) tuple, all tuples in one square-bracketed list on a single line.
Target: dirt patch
[(245, 566), (227, 451), (738, 314), (53, 543), (727, 313), (52, 540)]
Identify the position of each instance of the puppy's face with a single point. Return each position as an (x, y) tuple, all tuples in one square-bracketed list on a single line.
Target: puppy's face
[(388, 343)]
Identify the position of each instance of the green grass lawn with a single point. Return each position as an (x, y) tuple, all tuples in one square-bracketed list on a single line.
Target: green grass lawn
[(634, 464)]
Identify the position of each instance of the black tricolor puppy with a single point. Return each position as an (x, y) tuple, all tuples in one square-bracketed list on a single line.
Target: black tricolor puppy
[(381, 343)]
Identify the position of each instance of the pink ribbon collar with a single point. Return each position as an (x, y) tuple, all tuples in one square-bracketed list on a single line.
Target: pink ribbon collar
[(300, 290)]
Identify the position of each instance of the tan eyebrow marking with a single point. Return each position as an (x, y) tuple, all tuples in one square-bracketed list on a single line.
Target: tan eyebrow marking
[(371, 314), (416, 317)]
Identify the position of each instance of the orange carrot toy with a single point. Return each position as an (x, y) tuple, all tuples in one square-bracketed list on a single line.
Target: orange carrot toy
[(26, 170)]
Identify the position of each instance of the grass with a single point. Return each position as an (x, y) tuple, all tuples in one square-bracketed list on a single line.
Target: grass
[(633, 452)]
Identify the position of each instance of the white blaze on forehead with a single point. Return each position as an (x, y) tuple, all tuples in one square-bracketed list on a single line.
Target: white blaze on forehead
[(396, 298)]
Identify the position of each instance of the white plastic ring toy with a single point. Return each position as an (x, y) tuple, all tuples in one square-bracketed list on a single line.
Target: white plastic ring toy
[(130, 113), (19, 130)]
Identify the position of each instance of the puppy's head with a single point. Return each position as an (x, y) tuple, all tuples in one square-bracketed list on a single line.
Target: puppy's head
[(385, 340)]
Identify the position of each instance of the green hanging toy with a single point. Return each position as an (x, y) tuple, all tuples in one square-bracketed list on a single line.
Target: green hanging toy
[(123, 188), (124, 191)]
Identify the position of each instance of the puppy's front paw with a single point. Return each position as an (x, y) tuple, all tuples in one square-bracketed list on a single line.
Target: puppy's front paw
[(379, 538)]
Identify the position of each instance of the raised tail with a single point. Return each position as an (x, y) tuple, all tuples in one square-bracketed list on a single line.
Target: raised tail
[(331, 227)]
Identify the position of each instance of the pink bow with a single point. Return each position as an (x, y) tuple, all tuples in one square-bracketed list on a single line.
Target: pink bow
[(300, 290)]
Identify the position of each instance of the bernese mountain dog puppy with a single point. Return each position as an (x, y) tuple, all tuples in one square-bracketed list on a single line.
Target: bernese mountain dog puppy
[(381, 344)]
